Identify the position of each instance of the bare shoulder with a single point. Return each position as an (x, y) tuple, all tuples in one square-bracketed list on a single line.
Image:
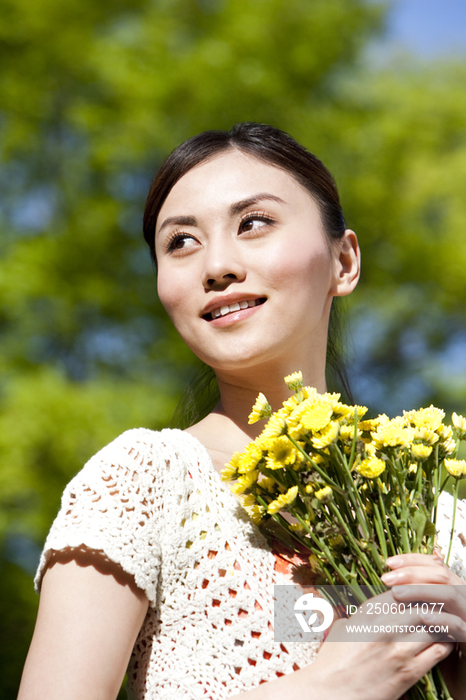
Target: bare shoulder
[(90, 613)]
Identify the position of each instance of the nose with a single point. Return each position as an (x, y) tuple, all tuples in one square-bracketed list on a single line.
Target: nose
[(222, 266)]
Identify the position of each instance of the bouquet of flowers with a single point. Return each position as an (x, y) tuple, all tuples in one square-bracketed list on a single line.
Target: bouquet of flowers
[(358, 490)]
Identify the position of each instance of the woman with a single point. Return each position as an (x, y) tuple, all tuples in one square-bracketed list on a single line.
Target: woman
[(150, 549)]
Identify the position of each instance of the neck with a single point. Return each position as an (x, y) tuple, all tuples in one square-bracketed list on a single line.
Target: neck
[(238, 391), (226, 429)]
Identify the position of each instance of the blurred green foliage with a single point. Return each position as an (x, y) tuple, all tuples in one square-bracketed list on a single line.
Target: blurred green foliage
[(93, 95)]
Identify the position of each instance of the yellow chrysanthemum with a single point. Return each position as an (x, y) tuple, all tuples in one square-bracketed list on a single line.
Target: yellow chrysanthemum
[(347, 432), (267, 484), (309, 488), (281, 452), (428, 436), (324, 495), (460, 425), (445, 432), (316, 416), (282, 501), (313, 413), (310, 392), (245, 482), (275, 427), (228, 473), (256, 513), (261, 409), (371, 449), (250, 458), (371, 468), (231, 469), (456, 467), (295, 429), (430, 417), (326, 436), (449, 446), (290, 404), (248, 500), (342, 410), (294, 381), (361, 410), (367, 425), (420, 451), (392, 434)]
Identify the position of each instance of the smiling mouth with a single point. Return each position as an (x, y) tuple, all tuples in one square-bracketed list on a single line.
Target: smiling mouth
[(231, 308)]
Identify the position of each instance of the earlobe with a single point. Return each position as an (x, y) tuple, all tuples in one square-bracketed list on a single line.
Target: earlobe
[(347, 264)]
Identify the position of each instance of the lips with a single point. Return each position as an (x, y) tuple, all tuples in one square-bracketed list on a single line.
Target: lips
[(226, 309)]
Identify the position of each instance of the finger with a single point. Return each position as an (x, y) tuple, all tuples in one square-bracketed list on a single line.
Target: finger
[(445, 623), (433, 598), (414, 559), (431, 656), (434, 573)]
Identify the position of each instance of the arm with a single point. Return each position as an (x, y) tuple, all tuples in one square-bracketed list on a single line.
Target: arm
[(89, 616)]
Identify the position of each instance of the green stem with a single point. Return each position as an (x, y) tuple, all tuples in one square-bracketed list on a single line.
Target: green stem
[(441, 682), (354, 495), (322, 548), (362, 555), (455, 499), (436, 482), (322, 473), (355, 438), (380, 531), (404, 512), (382, 508)]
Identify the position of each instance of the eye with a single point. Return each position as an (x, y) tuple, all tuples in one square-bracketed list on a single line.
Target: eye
[(180, 241), (255, 221)]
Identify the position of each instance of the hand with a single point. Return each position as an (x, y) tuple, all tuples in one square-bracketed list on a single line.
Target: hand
[(430, 580), (384, 667)]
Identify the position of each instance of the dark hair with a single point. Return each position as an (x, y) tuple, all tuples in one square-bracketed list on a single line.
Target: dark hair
[(272, 146), (263, 142)]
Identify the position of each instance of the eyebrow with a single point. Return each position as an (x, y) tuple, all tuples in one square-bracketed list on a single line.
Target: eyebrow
[(233, 210)]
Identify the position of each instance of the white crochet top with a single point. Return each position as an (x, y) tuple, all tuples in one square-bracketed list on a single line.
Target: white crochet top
[(154, 503)]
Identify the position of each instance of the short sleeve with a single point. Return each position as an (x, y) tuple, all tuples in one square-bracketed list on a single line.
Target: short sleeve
[(114, 505), (457, 560)]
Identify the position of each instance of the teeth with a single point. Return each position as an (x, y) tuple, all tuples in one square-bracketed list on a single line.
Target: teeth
[(224, 310)]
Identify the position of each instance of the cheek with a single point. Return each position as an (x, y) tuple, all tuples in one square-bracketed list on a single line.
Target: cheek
[(300, 268), (171, 294)]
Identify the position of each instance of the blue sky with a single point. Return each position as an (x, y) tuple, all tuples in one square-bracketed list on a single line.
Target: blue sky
[(429, 28)]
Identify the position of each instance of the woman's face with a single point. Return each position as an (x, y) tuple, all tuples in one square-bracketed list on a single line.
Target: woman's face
[(245, 270)]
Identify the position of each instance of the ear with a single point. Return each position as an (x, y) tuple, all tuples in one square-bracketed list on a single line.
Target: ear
[(347, 264)]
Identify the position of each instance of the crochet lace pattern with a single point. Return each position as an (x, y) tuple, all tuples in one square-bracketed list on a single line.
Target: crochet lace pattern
[(153, 503)]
